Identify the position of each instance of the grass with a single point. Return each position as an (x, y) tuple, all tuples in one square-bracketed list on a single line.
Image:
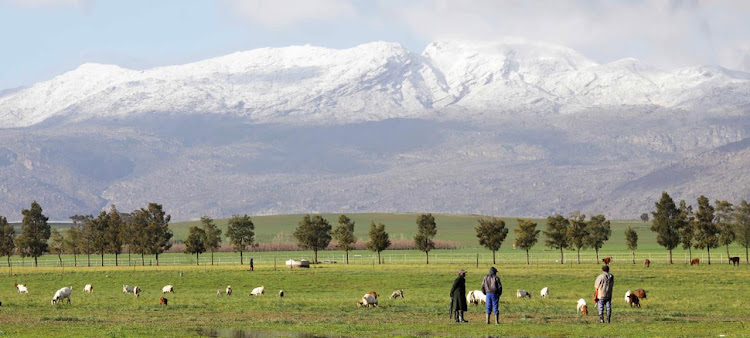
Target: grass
[(682, 300)]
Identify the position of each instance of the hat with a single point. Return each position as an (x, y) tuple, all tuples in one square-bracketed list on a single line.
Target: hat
[(462, 272)]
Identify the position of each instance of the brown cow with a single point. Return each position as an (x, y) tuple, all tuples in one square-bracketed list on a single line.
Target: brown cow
[(606, 260), (162, 301), (640, 293), (734, 261), (647, 262), (634, 301), (695, 261)]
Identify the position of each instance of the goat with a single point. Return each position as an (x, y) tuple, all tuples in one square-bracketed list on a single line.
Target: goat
[(522, 293), (607, 260), (219, 292), (88, 288), (695, 261), (127, 289), (397, 293), (163, 301), (62, 293), (229, 290), (634, 301), (627, 296), (475, 297), (258, 291), (646, 262), (734, 261), (544, 292), (640, 293), (281, 293), (137, 291), (22, 288), (582, 308), (167, 289), (368, 300)]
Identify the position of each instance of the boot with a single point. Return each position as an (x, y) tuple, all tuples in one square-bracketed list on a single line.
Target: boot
[(609, 315), (487, 316), (601, 318), (456, 315), (462, 317), (497, 319)]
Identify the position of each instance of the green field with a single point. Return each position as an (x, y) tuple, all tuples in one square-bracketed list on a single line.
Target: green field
[(682, 300)]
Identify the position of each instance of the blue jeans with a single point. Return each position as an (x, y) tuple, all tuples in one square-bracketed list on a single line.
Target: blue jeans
[(493, 301), (602, 303)]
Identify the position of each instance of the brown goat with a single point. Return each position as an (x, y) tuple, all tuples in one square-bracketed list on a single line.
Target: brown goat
[(640, 293), (162, 301), (695, 261), (606, 260), (634, 301), (646, 262)]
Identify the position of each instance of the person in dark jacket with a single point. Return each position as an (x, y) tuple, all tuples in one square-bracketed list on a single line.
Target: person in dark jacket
[(492, 287), (458, 300)]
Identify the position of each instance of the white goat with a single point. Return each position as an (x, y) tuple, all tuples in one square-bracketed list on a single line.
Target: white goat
[(22, 288), (475, 297), (137, 291), (167, 289), (582, 308), (281, 293), (127, 289), (258, 291), (522, 293), (229, 290), (88, 288), (62, 293), (368, 300), (545, 292)]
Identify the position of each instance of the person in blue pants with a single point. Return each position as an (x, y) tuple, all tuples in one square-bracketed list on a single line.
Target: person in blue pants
[(492, 288)]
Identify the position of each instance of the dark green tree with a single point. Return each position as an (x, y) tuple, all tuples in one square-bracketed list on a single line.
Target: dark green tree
[(72, 242), (241, 233), (195, 243), (35, 232), (139, 236), (644, 217), (314, 233), (97, 231), (557, 234), (344, 235), (379, 240), (157, 230), (742, 226), (666, 223), (687, 230), (57, 245), (213, 235), (706, 232), (578, 232), (724, 223), (599, 231), (526, 236), (7, 238), (491, 233), (631, 238), (426, 231), (113, 236)]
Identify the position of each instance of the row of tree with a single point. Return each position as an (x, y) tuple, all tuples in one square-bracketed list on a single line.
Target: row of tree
[(708, 227)]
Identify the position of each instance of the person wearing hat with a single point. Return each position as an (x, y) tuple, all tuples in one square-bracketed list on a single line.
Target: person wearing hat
[(458, 300), (492, 288)]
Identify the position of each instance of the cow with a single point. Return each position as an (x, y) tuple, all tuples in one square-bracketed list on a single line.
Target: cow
[(646, 262), (606, 260), (695, 261), (734, 261)]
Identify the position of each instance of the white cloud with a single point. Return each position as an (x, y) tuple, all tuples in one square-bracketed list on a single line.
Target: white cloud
[(284, 13), (49, 4)]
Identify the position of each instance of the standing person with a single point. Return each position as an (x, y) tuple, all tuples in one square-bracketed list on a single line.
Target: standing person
[(603, 293), (251, 265), (492, 287), (458, 298)]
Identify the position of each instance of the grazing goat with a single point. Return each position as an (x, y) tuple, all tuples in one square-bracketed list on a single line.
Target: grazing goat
[(734, 261), (646, 262), (88, 288), (695, 261), (522, 293), (258, 291), (582, 308), (62, 293), (475, 297), (163, 301), (219, 292), (22, 288), (397, 293), (137, 291), (127, 289), (640, 293), (229, 290), (634, 301), (544, 292), (368, 300), (627, 297), (607, 260), (167, 289), (374, 294), (281, 293)]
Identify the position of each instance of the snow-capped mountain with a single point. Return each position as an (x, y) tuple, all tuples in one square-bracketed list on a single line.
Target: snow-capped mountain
[(375, 81)]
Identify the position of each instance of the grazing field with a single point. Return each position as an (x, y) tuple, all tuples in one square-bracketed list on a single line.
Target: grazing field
[(682, 300)]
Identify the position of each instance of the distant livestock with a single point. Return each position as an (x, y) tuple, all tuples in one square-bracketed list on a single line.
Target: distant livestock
[(475, 297), (640, 293), (88, 288), (646, 262), (281, 293), (167, 289), (695, 261), (303, 263), (734, 261), (229, 290), (627, 296), (545, 292), (22, 288), (634, 301), (522, 293), (374, 294), (136, 291), (62, 293), (607, 260), (258, 291), (582, 308), (368, 300), (163, 301), (397, 293)]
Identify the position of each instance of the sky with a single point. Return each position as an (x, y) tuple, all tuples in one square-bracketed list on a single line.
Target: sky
[(45, 38)]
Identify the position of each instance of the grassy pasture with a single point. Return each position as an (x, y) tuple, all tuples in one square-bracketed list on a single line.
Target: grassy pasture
[(683, 300)]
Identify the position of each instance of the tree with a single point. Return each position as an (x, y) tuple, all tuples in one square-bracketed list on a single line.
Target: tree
[(426, 231), (157, 230), (83, 242), (113, 235), (195, 243), (491, 233), (97, 231), (7, 237), (344, 235), (724, 223), (644, 217), (577, 232), (379, 240), (139, 237), (213, 235), (314, 233), (557, 234), (599, 232), (706, 233), (742, 226), (241, 233), (56, 245), (631, 238), (687, 230), (526, 236), (72, 242), (666, 223), (35, 232)]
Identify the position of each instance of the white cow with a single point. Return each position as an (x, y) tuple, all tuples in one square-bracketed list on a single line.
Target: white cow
[(368, 300), (258, 291), (167, 289), (522, 293), (475, 297), (545, 292), (22, 288), (62, 293), (88, 288)]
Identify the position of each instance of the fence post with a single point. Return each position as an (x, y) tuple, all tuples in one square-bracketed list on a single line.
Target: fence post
[(478, 262)]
